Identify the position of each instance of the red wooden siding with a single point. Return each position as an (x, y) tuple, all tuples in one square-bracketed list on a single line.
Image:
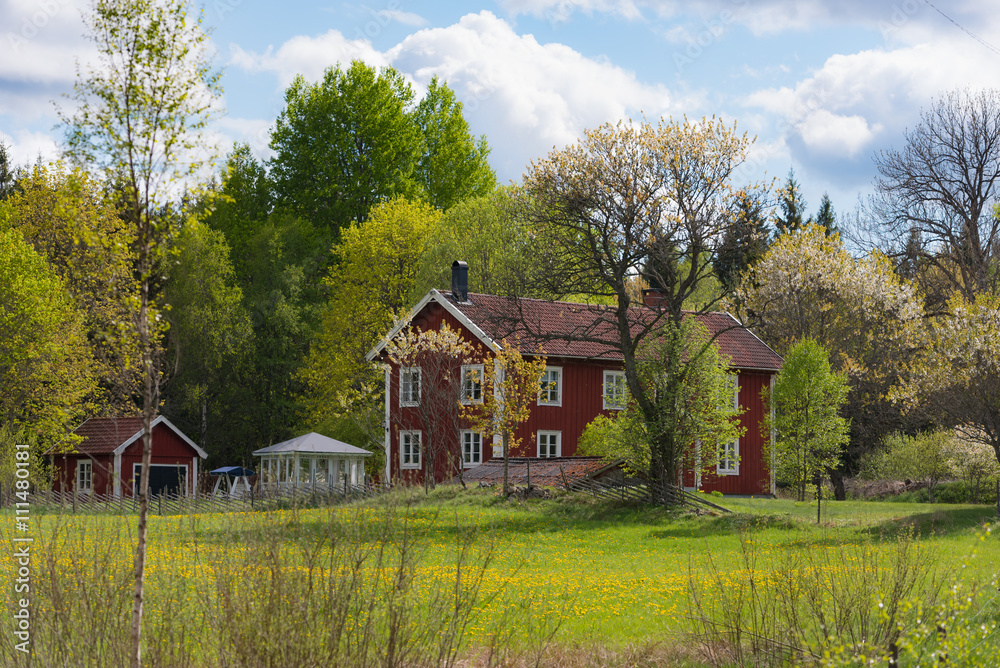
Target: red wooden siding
[(168, 448), (582, 401), (754, 472)]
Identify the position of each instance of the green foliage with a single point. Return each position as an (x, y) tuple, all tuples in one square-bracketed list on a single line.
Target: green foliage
[(453, 166), (866, 317), (701, 410), (209, 327), (493, 235), (826, 217), (356, 138), (923, 458), (46, 369), (369, 288), (746, 238), (241, 205), (344, 144), (809, 432), (792, 207), (62, 215)]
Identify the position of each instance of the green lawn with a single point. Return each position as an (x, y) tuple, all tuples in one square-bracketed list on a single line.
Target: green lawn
[(587, 573)]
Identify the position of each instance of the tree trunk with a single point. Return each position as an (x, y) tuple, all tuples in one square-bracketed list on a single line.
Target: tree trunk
[(506, 459), (149, 401), (837, 480)]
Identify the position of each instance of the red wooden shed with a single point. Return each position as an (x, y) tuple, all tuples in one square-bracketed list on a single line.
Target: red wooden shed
[(108, 458), (585, 377)]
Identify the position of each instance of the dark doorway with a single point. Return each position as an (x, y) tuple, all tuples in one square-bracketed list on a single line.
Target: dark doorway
[(162, 480)]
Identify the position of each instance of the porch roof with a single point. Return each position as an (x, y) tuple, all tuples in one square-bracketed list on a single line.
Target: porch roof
[(312, 444)]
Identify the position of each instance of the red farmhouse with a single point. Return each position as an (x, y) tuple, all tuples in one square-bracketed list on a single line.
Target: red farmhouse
[(583, 379), (107, 460)]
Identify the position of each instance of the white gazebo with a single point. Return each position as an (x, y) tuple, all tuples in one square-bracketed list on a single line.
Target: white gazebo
[(311, 461)]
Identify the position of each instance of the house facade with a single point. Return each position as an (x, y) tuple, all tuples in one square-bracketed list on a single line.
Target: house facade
[(583, 379), (108, 458)]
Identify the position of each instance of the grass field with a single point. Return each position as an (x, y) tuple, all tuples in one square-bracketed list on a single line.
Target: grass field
[(461, 576)]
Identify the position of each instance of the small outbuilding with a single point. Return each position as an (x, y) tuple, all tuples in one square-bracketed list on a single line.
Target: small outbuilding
[(108, 458), (311, 461)]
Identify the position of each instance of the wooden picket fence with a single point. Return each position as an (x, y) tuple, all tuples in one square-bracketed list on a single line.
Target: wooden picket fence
[(177, 504)]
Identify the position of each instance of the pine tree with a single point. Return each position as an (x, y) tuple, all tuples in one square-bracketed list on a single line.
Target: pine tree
[(826, 216), (792, 205), (745, 240)]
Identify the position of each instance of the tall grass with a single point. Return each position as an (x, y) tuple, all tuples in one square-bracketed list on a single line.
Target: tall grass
[(350, 588), (879, 601)]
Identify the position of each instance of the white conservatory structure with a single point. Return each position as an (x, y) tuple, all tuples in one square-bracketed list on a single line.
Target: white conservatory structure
[(311, 461)]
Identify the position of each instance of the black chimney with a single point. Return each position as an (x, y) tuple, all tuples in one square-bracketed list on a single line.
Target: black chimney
[(459, 281)]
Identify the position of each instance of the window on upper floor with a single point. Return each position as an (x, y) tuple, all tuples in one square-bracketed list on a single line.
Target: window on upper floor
[(550, 392), (409, 386), (472, 384), (615, 390)]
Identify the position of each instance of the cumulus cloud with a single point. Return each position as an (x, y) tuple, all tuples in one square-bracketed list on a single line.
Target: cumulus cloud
[(525, 96), (858, 103)]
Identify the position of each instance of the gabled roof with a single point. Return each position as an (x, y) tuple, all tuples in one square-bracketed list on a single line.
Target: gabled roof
[(111, 436), (312, 443), (568, 329)]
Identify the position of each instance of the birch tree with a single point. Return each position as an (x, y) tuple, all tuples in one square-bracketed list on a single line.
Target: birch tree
[(135, 118)]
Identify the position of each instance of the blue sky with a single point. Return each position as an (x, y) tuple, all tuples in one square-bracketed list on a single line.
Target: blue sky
[(823, 85)]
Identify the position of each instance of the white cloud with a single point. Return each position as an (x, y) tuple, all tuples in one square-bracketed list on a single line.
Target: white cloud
[(25, 146), (558, 11), (858, 103), (406, 18), (525, 96), (308, 56)]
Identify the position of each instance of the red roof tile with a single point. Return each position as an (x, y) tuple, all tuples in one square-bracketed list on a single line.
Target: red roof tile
[(103, 435), (567, 329)]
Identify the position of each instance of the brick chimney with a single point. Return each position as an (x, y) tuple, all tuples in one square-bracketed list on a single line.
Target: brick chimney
[(460, 281)]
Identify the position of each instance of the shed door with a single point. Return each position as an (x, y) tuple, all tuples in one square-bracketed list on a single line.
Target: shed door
[(162, 479)]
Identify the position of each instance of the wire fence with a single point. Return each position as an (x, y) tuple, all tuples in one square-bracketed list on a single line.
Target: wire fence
[(643, 492)]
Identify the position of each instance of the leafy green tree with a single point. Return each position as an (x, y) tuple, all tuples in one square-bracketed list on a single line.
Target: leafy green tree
[(493, 234), (344, 144), (368, 288), (8, 174), (46, 369), (923, 457), (809, 432), (826, 217), (636, 196), (791, 207), (137, 119), (746, 239), (63, 215), (865, 316), (209, 328), (453, 166), (955, 380), (242, 204), (701, 410)]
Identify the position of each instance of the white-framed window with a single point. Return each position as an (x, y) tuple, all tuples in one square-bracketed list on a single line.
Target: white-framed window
[(472, 448), (615, 390), (472, 383), (409, 449), (409, 386), (550, 392), (550, 444), (729, 453), (84, 476), (729, 458)]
